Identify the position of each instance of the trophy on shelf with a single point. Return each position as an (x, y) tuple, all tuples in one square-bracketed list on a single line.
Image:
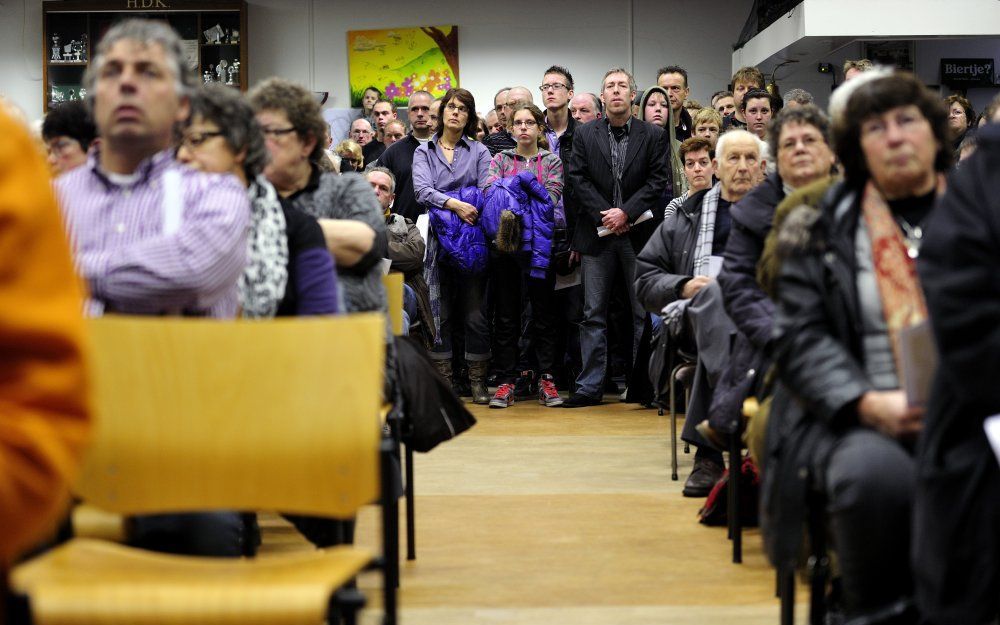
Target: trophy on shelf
[(234, 36), (234, 74), (83, 93), (77, 50), (55, 95), (220, 70), (213, 36), (207, 77), (56, 56)]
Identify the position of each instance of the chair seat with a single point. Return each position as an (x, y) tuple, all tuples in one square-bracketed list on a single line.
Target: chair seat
[(97, 582), (685, 374)]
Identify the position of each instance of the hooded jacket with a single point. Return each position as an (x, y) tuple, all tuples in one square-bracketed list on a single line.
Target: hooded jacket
[(462, 246), (676, 182), (524, 196)]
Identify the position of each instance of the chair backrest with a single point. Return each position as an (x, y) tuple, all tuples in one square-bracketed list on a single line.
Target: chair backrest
[(196, 414), (393, 283)]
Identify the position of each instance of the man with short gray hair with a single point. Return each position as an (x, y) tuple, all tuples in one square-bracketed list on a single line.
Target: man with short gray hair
[(797, 97), (152, 237), (676, 279), (585, 107)]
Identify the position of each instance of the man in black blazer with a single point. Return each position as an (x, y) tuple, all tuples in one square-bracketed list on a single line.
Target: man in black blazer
[(617, 172)]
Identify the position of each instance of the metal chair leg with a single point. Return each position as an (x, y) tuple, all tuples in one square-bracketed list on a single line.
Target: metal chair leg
[(786, 581), (687, 402), (390, 535), (411, 515), (673, 423), (735, 527)]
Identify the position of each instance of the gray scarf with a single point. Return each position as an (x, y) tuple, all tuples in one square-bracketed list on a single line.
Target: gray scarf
[(262, 285)]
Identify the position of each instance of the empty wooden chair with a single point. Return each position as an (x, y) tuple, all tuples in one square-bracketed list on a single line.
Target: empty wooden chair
[(196, 414)]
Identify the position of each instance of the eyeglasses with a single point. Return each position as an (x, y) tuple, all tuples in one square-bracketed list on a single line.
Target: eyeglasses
[(61, 146), (552, 86), (195, 139), (527, 123), (457, 107), (274, 133)]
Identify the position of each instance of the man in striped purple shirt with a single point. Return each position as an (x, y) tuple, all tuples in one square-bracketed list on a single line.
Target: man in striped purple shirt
[(149, 235)]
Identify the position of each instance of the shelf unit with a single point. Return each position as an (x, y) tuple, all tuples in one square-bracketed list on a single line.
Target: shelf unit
[(86, 21)]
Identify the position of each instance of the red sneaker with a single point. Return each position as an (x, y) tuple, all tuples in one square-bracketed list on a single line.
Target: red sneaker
[(504, 396), (548, 394)]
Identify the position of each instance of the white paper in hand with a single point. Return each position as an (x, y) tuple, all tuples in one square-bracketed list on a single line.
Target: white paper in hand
[(992, 427), (918, 362), (603, 231), (714, 266)]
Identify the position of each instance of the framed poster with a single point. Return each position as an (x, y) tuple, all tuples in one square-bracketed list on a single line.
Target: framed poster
[(399, 61), (900, 54)]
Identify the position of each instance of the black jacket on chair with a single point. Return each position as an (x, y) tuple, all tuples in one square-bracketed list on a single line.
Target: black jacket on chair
[(644, 178)]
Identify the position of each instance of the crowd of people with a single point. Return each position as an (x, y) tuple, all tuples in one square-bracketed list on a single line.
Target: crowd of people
[(787, 252)]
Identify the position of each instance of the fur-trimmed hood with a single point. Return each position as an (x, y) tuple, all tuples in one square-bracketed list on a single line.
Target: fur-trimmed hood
[(793, 231)]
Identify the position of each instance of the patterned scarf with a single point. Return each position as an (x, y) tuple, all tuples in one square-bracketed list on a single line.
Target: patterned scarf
[(262, 285), (895, 272), (673, 313)]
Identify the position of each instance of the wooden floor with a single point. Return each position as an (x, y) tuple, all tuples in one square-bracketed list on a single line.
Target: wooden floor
[(543, 516)]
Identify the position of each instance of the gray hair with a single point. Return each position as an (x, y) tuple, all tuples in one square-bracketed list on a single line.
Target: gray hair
[(807, 114), (146, 32), (383, 170), (798, 95), (228, 109), (619, 70), (429, 95), (727, 137)]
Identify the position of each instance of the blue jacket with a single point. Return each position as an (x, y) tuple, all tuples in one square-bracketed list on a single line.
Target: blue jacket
[(462, 246), (527, 198)]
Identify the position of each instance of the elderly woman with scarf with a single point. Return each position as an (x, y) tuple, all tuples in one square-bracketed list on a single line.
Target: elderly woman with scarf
[(841, 430)]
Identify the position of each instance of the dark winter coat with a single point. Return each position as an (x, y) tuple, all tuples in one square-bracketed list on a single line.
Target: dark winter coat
[(957, 505)]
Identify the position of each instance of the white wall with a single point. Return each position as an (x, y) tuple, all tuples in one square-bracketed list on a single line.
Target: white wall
[(21, 53)]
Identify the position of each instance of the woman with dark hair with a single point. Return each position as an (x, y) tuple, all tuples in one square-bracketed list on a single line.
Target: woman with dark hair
[(841, 429), (482, 130), (68, 132), (961, 117), (289, 270), (450, 161), (350, 216), (510, 271)]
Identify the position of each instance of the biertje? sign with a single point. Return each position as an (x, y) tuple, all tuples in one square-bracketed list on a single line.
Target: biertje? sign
[(967, 72)]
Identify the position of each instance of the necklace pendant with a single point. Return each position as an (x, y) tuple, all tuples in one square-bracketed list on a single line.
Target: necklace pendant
[(912, 252)]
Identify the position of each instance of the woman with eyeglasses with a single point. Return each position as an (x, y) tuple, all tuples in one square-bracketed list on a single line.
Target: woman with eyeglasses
[(513, 268), (842, 428), (289, 270), (452, 160), (350, 216), (961, 117)]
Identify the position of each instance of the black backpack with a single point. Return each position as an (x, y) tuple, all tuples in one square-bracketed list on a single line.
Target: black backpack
[(432, 412)]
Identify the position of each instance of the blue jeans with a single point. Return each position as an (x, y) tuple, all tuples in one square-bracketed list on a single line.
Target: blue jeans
[(598, 275), (463, 300)]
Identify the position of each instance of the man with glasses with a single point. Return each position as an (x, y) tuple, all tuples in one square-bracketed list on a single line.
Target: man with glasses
[(362, 132), (68, 132), (398, 157), (503, 140), (150, 236)]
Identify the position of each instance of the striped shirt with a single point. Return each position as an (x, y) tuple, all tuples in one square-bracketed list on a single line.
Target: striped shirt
[(619, 148), (170, 240)]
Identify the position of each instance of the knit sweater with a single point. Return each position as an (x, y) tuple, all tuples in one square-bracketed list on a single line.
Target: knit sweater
[(349, 196)]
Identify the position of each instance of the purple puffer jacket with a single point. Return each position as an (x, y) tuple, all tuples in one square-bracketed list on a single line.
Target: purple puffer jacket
[(527, 198), (462, 246)]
